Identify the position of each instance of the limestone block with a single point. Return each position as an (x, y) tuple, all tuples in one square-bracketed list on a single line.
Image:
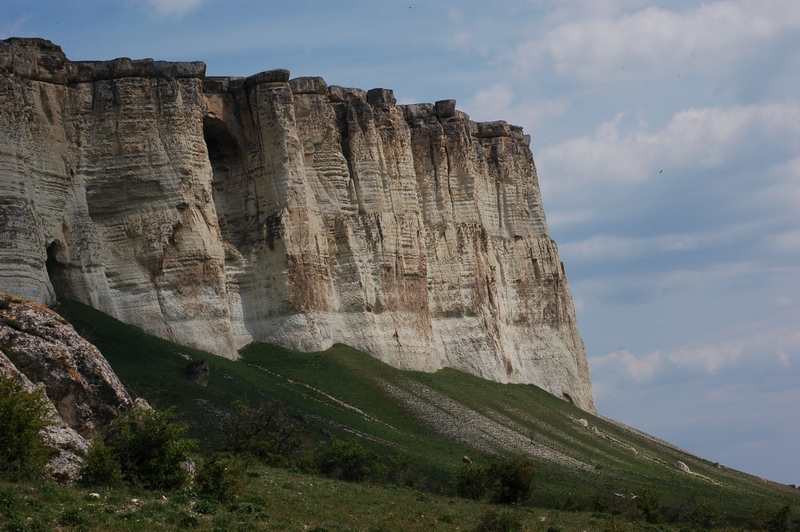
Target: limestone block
[(445, 108), (381, 96), (308, 85), (279, 75), (498, 128)]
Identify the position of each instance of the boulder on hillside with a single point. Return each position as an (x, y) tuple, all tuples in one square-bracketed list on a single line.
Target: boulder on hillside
[(40, 349), (198, 371)]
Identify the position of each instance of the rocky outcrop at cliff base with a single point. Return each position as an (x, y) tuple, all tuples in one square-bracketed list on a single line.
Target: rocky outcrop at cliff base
[(43, 352), (219, 211)]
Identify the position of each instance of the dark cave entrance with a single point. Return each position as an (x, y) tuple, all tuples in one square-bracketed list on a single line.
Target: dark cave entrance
[(57, 269), (227, 166)]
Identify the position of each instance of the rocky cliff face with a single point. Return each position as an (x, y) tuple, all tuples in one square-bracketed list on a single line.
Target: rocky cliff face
[(218, 211), (45, 353)]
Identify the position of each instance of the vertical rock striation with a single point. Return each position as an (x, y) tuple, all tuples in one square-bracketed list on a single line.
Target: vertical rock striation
[(218, 211)]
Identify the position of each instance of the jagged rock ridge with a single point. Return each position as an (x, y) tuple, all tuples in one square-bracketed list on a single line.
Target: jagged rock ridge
[(218, 211)]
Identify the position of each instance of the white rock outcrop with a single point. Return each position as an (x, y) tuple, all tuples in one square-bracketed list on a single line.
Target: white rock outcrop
[(45, 354), (219, 211)]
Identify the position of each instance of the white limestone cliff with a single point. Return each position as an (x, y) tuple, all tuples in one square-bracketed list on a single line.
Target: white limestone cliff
[(219, 211)]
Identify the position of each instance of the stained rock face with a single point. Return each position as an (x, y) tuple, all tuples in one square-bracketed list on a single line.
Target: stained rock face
[(45, 353), (198, 371), (219, 211)]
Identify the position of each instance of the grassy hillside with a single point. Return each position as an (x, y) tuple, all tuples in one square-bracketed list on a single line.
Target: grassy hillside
[(438, 418), (275, 499)]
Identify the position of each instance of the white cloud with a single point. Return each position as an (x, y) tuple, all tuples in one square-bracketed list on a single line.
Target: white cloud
[(784, 302), (604, 246), (711, 358), (716, 274), (456, 14), (693, 139), (659, 42), (562, 218), (13, 29), (598, 247), (709, 136), (755, 346), (786, 191), (500, 102), (637, 369), (786, 241), (458, 39), (175, 7), (494, 101)]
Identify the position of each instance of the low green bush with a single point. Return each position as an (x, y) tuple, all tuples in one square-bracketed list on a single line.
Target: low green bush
[(267, 431), (205, 507), (100, 467), (704, 515), (772, 519), (345, 460), (499, 520), (472, 481), (150, 447), (648, 503), (512, 479), (219, 477), (402, 471), (23, 415)]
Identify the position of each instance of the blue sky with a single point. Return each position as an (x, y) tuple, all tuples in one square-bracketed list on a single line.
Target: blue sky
[(667, 140)]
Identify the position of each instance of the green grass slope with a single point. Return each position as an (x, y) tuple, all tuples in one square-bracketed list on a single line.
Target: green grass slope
[(437, 418)]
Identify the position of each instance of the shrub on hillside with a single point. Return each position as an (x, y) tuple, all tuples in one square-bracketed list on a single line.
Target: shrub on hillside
[(610, 501), (779, 521), (100, 467), (472, 481), (151, 447), (648, 503), (345, 460), (219, 477), (499, 520), (704, 515), (267, 431), (512, 479), (401, 471), (23, 415)]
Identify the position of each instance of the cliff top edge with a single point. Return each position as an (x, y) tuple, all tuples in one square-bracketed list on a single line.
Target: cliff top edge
[(39, 59)]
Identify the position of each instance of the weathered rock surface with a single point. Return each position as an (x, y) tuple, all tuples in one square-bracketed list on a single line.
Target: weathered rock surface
[(198, 371), (218, 211), (45, 353)]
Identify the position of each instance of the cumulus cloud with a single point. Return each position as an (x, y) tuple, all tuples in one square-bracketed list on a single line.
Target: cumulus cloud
[(786, 191), (786, 241), (637, 369), (500, 101), (494, 101), (711, 358), (660, 42), (174, 7), (756, 347), (693, 139), (603, 246)]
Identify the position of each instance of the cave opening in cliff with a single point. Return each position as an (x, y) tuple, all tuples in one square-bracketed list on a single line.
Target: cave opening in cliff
[(57, 270), (227, 166)]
